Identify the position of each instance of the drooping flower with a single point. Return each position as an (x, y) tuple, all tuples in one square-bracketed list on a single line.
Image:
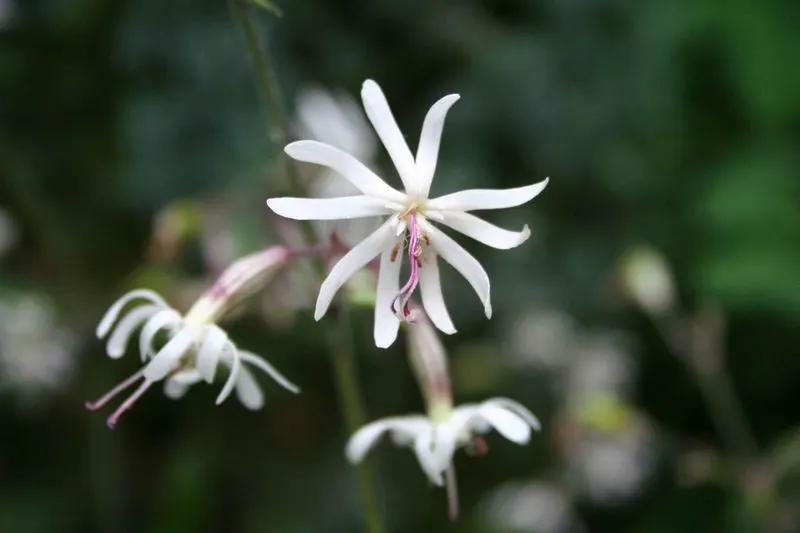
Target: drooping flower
[(435, 440), (195, 345), (410, 219)]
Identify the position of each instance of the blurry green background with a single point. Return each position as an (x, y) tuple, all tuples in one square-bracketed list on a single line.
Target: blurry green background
[(673, 124)]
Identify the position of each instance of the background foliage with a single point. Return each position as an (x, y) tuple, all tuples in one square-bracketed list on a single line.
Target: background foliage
[(675, 124)]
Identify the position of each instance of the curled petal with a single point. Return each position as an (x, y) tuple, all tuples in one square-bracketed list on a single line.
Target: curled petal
[(430, 285), (160, 320), (463, 262), (348, 166), (234, 375), (248, 391), (518, 409), (118, 341), (165, 360), (477, 199), (270, 370), (343, 207), (405, 427), (380, 115), (506, 422), (208, 355), (485, 232), (111, 315), (174, 389), (356, 258), (429, 141), (386, 322)]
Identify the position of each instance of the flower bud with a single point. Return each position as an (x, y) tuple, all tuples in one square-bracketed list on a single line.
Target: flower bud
[(647, 280)]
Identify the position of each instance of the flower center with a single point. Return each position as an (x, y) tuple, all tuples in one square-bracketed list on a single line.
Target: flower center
[(416, 240)]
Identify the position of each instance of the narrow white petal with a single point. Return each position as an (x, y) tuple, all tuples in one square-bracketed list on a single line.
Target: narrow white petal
[(209, 353), (519, 409), (175, 390), (348, 166), (386, 322), (467, 266), (111, 315), (366, 437), (506, 422), (429, 140), (434, 451), (380, 115), (165, 360), (234, 375), (356, 258), (118, 342), (255, 360), (430, 285), (483, 231), (477, 199), (248, 391), (160, 320), (343, 207)]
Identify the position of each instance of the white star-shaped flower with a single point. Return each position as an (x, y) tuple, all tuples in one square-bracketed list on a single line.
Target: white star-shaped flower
[(410, 216), (435, 441), (192, 353)]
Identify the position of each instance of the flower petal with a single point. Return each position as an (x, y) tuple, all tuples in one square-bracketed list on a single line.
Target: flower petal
[(174, 389), (208, 355), (467, 266), (476, 199), (429, 140), (234, 375), (386, 322), (366, 437), (507, 423), (253, 359), (348, 166), (248, 391), (380, 115), (111, 315), (160, 320), (483, 231), (343, 207), (118, 342), (435, 450), (165, 360), (517, 408), (430, 285), (357, 257)]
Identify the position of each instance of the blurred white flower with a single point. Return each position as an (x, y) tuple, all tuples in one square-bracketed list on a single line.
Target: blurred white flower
[(647, 280), (435, 440), (36, 354), (410, 212), (600, 366), (544, 337), (194, 349), (534, 507)]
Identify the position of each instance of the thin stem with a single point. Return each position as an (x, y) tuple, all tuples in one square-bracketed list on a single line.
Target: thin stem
[(340, 341)]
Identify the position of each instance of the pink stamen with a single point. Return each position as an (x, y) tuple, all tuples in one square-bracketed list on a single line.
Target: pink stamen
[(127, 404), (400, 304)]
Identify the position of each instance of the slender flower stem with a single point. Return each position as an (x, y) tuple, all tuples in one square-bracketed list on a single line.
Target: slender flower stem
[(340, 342)]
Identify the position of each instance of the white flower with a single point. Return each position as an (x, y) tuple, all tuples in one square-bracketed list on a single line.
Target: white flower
[(410, 211), (194, 349), (435, 441)]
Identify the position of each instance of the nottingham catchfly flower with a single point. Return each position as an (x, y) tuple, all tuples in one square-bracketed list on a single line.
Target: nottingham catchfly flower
[(412, 219), (195, 346)]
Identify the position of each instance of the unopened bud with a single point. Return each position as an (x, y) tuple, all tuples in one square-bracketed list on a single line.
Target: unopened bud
[(647, 280), (240, 280), (429, 361)]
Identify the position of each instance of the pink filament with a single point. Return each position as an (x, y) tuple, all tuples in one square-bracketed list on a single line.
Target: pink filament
[(127, 404), (400, 304)]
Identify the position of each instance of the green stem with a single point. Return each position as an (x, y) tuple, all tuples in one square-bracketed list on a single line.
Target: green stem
[(340, 341)]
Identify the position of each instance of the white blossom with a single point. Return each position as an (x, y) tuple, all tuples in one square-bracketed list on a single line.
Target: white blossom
[(435, 440), (194, 349), (410, 213)]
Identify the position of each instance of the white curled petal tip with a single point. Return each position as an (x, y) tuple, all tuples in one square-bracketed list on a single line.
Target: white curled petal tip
[(169, 356), (485, 232), (118, 341), (174, 390), (365, 439), (506, 422), (233, 376), (248, 391), (113, 312), (430, 140), (517, 408), (271, 371), (481, 199), (210, 351), (160, 320)]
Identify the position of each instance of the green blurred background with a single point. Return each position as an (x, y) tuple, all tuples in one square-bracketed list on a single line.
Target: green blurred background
[(134, 152)]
